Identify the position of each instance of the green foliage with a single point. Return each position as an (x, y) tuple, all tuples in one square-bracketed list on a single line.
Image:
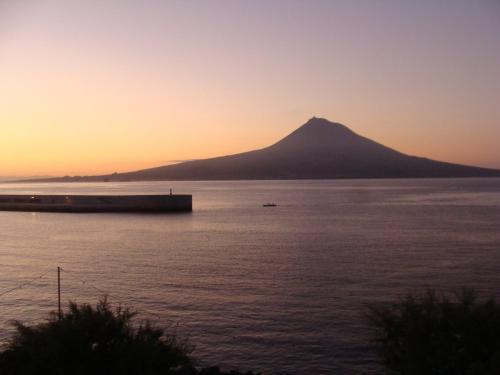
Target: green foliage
[(92, 340), (436, 334)]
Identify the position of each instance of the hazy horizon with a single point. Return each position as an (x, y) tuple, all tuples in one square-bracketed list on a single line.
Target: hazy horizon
[(94, 88)]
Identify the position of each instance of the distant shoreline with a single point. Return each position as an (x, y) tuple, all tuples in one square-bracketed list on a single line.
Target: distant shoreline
[(93, 180)]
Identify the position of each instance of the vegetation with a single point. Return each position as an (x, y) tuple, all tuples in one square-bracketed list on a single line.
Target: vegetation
[(430, 333), (97, 340), (88, 340), (433, 333)]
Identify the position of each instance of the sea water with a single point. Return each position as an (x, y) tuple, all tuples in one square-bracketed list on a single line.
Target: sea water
[(269, 289)]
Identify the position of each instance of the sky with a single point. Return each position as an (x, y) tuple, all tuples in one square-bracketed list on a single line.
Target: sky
[(103, 86)]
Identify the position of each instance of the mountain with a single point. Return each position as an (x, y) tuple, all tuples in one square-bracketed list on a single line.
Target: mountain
[(319, 149)]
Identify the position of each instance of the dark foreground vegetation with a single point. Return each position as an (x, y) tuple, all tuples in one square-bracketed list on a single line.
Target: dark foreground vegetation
[(98, 340), (423, 334), (433, 333)]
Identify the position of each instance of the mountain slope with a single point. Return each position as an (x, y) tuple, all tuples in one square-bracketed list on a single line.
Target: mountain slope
[(318, 149)]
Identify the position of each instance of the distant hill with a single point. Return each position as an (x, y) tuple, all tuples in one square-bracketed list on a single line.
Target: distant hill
[(319, 149)]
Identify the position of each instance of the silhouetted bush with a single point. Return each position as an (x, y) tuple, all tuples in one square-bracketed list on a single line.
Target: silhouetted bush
[(98, 340), (92, 340), (436, 334)]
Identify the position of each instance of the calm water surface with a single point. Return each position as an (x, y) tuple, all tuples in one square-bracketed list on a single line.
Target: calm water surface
[(268, 289)]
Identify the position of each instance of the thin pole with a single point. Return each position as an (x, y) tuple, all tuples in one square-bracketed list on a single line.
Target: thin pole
[(59, 292)]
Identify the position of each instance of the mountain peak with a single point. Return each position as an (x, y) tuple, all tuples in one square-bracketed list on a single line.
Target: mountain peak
[(317, 120), (318, 133), (317, 128), (321, 123)]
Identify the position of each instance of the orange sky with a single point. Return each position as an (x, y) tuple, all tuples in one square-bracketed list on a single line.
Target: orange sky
[(93, 87)]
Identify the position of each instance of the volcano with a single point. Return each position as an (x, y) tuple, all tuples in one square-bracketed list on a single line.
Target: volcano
[(319, 149)]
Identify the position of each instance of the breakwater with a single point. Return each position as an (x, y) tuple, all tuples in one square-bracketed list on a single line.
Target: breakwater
[(96, 203)]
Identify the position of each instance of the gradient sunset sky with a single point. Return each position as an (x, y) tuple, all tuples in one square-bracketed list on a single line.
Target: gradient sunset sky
[(98, 86)]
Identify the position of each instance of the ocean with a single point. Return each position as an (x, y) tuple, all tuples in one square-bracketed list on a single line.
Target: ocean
[(276, 289)]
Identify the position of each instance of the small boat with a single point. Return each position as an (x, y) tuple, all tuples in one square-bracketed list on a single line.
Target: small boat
[(269, 204)]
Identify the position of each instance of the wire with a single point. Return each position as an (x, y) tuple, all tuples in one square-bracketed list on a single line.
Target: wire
[(120, 300), (72, 273), (24, 284)]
